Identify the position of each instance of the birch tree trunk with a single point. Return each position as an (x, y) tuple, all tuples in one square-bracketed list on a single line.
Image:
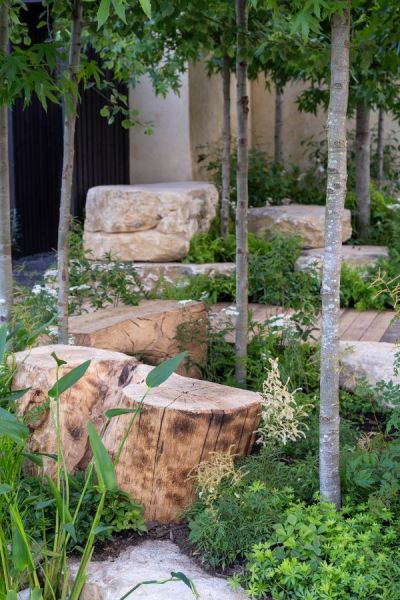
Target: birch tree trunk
[(226, 148), (242, 194), (67, 174), (380, 147), (6, 276), (363, 170), (335, 196), (278, 126)]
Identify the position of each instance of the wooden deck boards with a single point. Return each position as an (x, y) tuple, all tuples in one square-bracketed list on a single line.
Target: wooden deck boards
[(369, 325)]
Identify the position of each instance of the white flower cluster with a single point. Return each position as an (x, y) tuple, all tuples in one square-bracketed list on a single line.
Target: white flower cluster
[(281, 415), (44, 289)]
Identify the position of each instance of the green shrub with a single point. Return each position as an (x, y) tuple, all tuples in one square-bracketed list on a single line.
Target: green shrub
[(316, 553), (240, 515)]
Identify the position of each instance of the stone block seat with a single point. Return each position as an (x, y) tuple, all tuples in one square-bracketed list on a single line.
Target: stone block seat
[(354, 256), (147, 222), (373, 361), (155, 330), (181, 422), (304, 220)]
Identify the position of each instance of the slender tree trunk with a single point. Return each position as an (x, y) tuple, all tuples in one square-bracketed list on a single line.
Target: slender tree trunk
[(6, 276), (278, 125), (363, 170), (67, 175), (226, 148), (335, 196), (242, 195), (380, 147)]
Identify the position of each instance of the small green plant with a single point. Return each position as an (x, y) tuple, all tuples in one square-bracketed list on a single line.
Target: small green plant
[(316, 552)]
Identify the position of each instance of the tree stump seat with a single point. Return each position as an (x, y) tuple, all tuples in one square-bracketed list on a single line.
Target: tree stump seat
[(180, 424)]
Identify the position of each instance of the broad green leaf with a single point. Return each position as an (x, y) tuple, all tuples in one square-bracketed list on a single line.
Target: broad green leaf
[(3, 340), (20, 554), (146, 7), (119, 6), (10, 427), (5, 489), (62, 509), (103, 463), (103, 13), (182, 577), (69, 528), (36, 594), (11, 595), (159, 374), (69, 379), (116, 412), (35, 458), (13, 396)]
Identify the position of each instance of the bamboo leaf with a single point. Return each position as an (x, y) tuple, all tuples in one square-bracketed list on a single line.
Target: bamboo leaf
[(20, 554), (103, 463), (36, 594), (35, 458), (11, 595), (3, 340), (10, 427), (5, 489), (13, 396), (62, 509), (182, 577), (116, 412), (69, 379), (60, 362), (69, 528), (159, 374), (119, 7)]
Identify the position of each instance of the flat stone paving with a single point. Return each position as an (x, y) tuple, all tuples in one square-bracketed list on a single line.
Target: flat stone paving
[(110, 579)]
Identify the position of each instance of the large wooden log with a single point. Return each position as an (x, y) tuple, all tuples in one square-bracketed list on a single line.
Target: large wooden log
[(180, 424), (155, 330)]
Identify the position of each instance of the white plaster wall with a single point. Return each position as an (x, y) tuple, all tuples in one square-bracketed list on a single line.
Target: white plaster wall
[(166, 154)]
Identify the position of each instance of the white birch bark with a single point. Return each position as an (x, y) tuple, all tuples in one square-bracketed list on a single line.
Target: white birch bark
[(363, 169), (242, 195), (380, 147), (336, 191), (67, 176), (226, 147), (6, 275), (278, 125)]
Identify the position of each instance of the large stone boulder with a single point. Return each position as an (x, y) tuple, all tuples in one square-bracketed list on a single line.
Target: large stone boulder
[(373, 361), (354, 256), (180, 424), (155, 330), (147, 222), (304, 220)]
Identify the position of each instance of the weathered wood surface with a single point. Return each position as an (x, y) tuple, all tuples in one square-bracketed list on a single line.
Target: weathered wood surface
[(155, 330), (181, 422), (355, 325)]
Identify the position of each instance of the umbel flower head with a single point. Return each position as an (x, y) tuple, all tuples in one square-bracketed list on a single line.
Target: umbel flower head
[(281, 415)]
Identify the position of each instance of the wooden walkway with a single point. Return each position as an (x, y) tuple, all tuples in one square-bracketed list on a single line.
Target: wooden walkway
[(355, 325)]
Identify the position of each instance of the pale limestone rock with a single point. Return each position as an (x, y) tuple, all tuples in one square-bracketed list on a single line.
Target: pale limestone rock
[(148, 245), (354, 256), (304, 220), (149, 330), (147, 221), (372, 361), (152, 273), (112, 578)]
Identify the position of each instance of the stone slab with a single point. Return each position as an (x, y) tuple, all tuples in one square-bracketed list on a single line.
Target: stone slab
[(152, 273), (304, 220), (354, 256), (372, 361)]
